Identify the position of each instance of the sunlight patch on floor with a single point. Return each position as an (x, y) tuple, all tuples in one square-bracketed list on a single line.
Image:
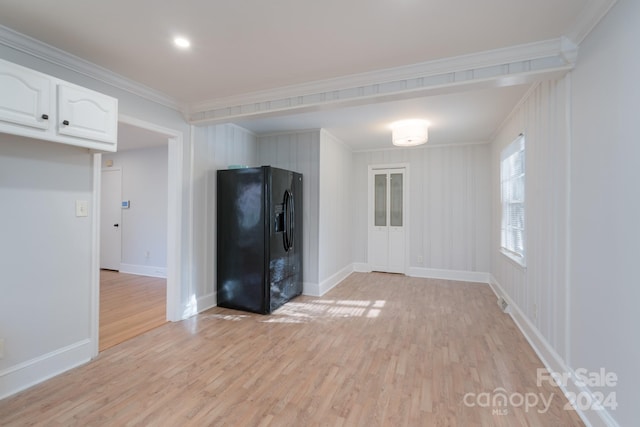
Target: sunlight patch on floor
[(298, 312), (231, 317)]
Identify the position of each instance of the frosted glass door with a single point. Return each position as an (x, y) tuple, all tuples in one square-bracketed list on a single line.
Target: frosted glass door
[(387, 198)]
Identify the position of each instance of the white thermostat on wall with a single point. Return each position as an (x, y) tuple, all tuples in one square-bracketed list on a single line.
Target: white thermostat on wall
[(125, 204)]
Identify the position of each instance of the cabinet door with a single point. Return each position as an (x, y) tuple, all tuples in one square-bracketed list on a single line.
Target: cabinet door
[(84, 113), (24, 96)]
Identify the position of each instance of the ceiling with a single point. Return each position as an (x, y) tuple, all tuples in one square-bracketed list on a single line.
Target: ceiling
[(242, 47)]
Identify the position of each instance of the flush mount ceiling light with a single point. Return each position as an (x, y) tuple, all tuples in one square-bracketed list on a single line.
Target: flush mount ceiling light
[(408, 133), (182, 42)]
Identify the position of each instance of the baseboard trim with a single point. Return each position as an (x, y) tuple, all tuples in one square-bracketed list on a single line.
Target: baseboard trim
[(206, 302), (319, 289), (311, 289), (553, 361), (42, 368), (333, 281), (361, 267), (144, 270), (456, 275)]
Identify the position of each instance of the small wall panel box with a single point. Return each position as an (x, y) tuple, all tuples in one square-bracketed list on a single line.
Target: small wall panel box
[(125, 204)]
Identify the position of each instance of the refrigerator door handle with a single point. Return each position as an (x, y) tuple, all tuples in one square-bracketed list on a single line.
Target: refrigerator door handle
[(288, 207), (291, 211), (285, 213)]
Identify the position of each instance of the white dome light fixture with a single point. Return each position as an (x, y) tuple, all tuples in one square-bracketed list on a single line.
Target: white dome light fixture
[(409, 133), (182, 42)]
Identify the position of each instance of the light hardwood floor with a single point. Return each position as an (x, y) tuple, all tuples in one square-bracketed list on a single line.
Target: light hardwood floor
[(378, 350), (129, 306)]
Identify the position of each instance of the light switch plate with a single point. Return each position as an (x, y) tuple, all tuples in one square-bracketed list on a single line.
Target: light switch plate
[(82, 208)]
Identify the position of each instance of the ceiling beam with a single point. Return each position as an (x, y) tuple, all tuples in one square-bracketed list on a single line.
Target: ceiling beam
[(501, 67)]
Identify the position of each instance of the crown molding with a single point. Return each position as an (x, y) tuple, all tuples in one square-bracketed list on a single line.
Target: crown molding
[(511, 65), (586, 21), (53, 55)]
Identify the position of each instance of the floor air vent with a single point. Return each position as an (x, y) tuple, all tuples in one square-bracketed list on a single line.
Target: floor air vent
[(504, 305)]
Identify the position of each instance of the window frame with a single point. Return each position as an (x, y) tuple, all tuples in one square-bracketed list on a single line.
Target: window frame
[(508, 187)]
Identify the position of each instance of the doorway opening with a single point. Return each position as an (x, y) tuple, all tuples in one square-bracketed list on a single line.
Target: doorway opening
[(136, 281)]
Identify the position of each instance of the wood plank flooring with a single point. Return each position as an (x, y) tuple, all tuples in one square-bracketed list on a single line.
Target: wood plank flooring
[(377, 350), (129, 306)]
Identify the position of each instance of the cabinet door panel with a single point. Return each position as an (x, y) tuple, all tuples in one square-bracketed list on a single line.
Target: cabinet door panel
[(87, 114), (24, 96)]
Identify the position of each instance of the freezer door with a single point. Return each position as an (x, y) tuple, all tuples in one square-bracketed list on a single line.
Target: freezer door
[(241, 240)]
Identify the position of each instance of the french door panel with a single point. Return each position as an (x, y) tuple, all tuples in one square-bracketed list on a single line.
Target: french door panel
[(395, 262), (379, 241)]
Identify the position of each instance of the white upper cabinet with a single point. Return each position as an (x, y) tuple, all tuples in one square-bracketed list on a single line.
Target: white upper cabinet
[(39, 106), (24, 96), (87, 114)]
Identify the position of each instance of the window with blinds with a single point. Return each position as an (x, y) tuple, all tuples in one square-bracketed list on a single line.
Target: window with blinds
[(512, 179)]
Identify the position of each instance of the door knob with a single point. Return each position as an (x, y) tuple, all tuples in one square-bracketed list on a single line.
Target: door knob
[(116, 225)]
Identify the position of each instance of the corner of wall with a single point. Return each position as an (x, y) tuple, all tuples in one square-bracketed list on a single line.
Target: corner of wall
[(205, 302)]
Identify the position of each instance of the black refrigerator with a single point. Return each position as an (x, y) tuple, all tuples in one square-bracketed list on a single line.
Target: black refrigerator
[(259, 238)]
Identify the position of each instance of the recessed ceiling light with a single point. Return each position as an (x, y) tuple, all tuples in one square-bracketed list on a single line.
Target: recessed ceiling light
[(182, 42)]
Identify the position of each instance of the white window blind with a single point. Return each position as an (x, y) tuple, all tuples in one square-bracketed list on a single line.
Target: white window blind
[(512, 180)]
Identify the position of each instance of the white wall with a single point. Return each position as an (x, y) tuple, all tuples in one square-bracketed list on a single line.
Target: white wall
[(449, 211), (216, 147), (45, 259), (300, 152), (539, 290), (334, 227), (576, 300), (144, 224), (605, 205)]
